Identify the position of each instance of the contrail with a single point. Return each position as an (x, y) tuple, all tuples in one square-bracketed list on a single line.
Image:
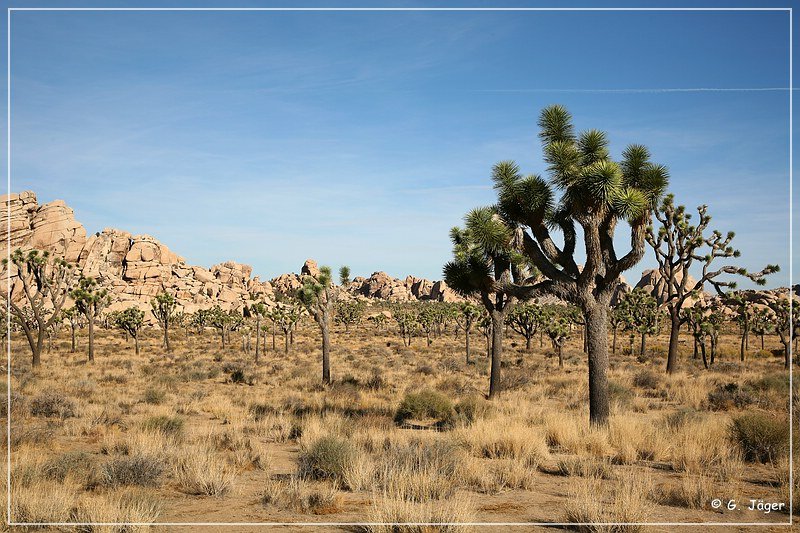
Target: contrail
[(642, 90)]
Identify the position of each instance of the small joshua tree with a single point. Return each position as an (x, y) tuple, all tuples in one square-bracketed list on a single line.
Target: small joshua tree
[(744, 317), (72, 316), (787, 324), (557, 325), (90, 300), (486, 263), (319, 295), (468, 313), (427, 320), (407, 323), (641, 315), (525, 320), (344, 276), (131, 321), (164, 307), (761, 323), (284, 315), (44, 284), (258, 310), (678, 244), (349, 313)]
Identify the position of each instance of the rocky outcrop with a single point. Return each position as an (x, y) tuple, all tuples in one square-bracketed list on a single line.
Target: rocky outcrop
[(382, 286), (654, 283)]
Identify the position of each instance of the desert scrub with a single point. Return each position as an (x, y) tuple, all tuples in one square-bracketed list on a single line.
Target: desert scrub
[(198, 471), (585, 466), (693, 491), (139, 470), (627, 503), (418, 470), (51, 404), (504, 438), (327, 457), (426, 404), (154, 396), (471, 408), (386, 511), (128, 506), (297, 494), (169, 426), (42, 502), (729, 396), (760, 437)]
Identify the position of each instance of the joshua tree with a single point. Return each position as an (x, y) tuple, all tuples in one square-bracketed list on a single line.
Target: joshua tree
[(90, 300), (319, 295), (598, 194), (678, 245), (258, 310), (426, 318), (72, 316), (618, 318), (407, 323), (640, 315), (164, 307), (344, 276), (44, 283), (786, 323), (744, 317), (349, 312), (468, 313), (131, 321), (761, 323), (285, 315), (557, 325), (525, 320), (486, 263)]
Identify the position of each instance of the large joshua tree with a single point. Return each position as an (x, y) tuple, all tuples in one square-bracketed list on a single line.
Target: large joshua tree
[(90, 300), (597, 194), (679, 245), (36, 300)]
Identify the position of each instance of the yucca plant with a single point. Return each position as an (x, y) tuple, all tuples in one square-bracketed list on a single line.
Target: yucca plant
[(90, 300), (319, 295)]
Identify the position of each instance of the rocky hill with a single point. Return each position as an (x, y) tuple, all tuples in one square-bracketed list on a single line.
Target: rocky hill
[(134, 268)]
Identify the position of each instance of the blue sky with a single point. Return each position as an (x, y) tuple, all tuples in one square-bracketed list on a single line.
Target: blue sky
[(362, 137)]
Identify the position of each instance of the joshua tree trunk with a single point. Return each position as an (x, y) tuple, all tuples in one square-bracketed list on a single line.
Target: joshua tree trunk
[(597, 330), (786, 357), (541, 339), (585, 336), (285, 342), (466, 336), (642, 347), (674, 334), (326, 353), (703, 351), (614, 343), (743, 346), (136, 343), (497, 353), (166, 336), (258, 336), (762, 341), (273, 337), (559, 350), (713, 348), (528, 342), (73, 339), (91, 338)]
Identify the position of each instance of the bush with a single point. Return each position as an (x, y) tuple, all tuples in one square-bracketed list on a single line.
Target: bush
[(327, 457), (424, 404), (472, 408), (760, 437), (131, 470), (171, 426), (77, 465), (51, 404), (728, 396), (778, 383), (154, 396), (646, 379)]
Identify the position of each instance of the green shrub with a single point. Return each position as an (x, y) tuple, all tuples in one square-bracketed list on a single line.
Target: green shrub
[(327, 457), (424, 404), (778, 383), (154, 396), (51, 404), (760, 437), (138, 470), (171, 426)]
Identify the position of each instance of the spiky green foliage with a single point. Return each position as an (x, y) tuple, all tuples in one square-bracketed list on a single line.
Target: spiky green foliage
[(344, 275), (526, 319), (39, 286), (90, 299), (349, 312), (130, 321)]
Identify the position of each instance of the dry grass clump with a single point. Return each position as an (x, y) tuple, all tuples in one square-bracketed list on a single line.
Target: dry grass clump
[(504, 438), (52, 405), (142, 470), (700, 444), (418, 471), (121, 507), (403, 516), (169, 426), (693, 491), (592, 510), (585, 466), (297, 494), (326, 458), (198, 471), (633, 439), (425, 405), (42, 501)]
